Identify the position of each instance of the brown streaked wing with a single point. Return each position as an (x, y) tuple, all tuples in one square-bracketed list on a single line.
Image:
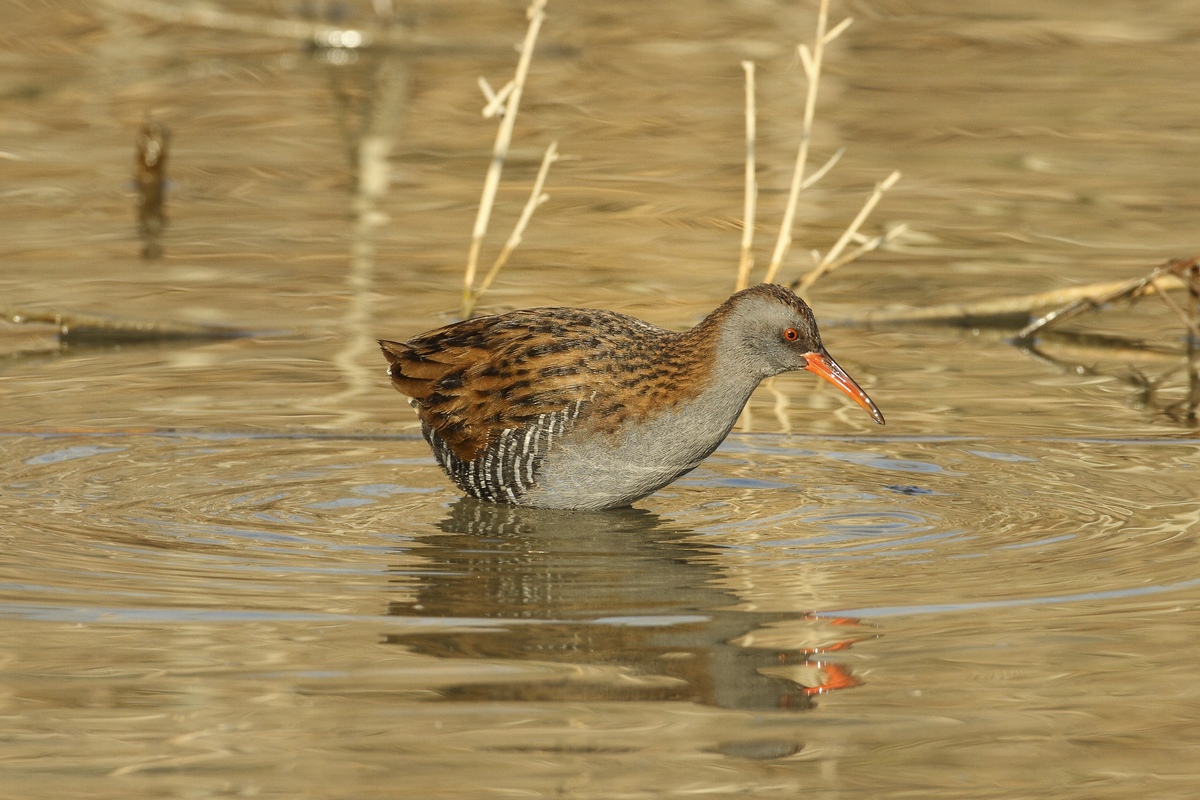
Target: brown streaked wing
[(481, 376)]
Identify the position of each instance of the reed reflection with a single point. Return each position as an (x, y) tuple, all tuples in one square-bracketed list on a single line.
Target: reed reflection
[(619, 588), (150, 180)]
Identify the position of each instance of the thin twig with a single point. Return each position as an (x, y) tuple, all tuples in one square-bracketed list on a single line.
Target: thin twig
[(491, 183), (812, 70), (536, 198), (828, 165), (746, 262), (829, 262), (864, 247), (496, 100)]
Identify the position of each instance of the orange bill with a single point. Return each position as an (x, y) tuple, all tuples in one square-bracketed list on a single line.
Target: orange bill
[(822, 364)]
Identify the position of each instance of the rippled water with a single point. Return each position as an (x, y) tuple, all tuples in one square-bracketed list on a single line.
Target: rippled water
[(233, 569), (198, 610)]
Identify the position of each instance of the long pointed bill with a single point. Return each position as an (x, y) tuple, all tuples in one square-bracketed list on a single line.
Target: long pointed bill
[(822, 364)]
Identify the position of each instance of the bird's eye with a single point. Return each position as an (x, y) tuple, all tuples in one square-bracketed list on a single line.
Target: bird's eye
[(791, 335)]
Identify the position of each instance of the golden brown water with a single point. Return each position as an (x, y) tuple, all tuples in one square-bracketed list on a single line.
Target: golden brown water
[(233, 569)]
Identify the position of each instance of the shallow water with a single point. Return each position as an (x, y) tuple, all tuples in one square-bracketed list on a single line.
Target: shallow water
[(233, 568)]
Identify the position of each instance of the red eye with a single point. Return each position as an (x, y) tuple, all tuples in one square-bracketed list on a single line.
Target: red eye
[(791, 335)]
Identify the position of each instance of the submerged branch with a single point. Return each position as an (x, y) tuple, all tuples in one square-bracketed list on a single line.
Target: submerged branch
[(92, 329), (1003, 312), (1131, 290)]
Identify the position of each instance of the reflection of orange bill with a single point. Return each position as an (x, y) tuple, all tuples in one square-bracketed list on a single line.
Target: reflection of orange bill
[(834, 676), (823, 364)]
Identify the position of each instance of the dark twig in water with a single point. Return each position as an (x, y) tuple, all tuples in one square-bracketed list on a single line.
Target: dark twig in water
[(91, 329)]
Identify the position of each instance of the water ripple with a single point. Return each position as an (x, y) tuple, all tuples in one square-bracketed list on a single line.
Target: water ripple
[(1026, 523)]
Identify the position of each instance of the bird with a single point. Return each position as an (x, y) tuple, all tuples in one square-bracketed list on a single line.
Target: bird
[(587, 409)]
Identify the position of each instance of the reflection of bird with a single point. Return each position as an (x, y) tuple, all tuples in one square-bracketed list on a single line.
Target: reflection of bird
[(633, 600), (150, 178), (584, 409)]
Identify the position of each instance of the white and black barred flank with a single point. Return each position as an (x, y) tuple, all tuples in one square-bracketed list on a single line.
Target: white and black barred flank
[(509, 466)]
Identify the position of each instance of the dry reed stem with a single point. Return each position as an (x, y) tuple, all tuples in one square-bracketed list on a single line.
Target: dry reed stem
[(746, 261), (536, 198), (831, 261), (536, 14), (812, 61)]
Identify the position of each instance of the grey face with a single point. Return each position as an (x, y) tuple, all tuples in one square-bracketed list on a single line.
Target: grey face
[(775, 336)]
